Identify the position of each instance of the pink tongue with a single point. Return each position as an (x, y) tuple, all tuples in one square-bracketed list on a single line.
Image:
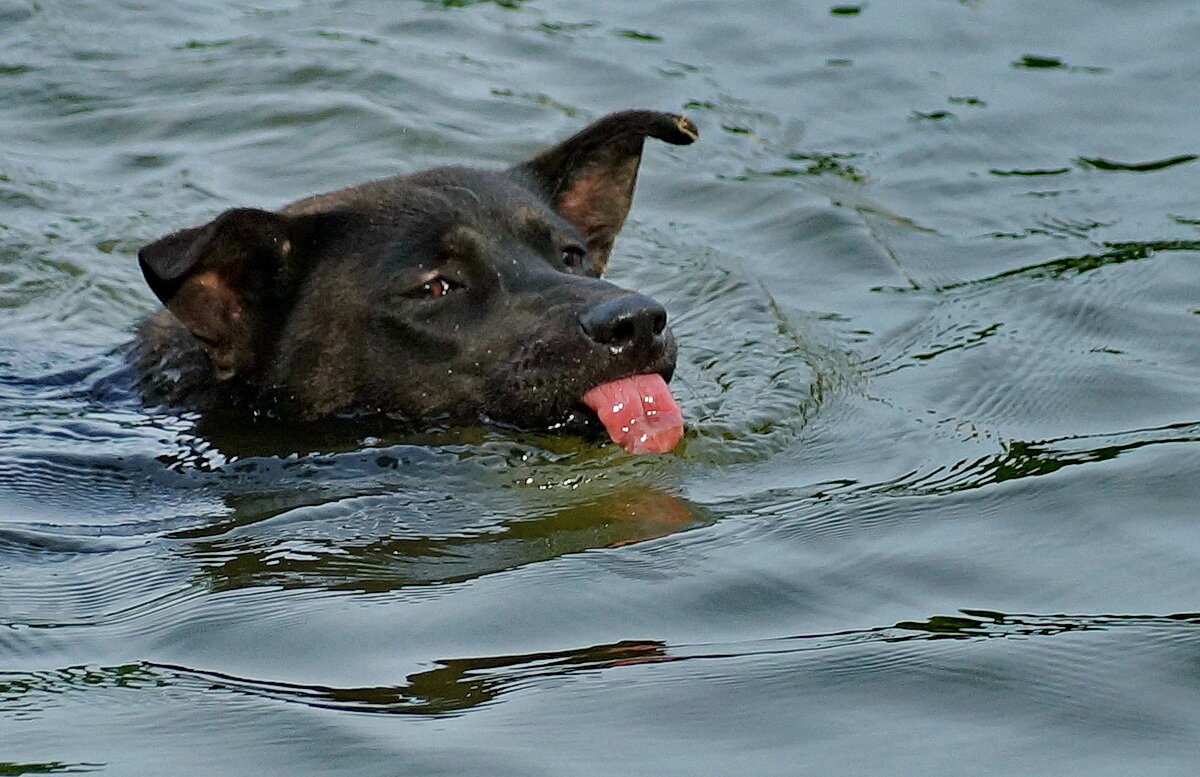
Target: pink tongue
[(639, 413)]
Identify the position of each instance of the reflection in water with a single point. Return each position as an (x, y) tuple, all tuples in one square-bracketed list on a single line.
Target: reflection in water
[(987, 624), (48, 767), (453, 686), (382, 542), (1100, 163), (458, 685), (1016, 459), (1037, 62), (1021, 459), (1116, 253)]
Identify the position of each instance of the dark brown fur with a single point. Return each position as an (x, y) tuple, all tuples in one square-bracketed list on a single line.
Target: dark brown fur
[(332, 304)]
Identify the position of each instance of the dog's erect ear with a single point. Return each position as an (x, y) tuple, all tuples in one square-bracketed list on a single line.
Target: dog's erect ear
[(590, 176), (222, 280)]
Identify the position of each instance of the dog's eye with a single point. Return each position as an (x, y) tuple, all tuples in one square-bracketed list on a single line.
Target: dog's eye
[(433, 288), (573, 256)]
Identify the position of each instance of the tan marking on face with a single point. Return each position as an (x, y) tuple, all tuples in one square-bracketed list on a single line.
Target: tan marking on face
[(209, 280), (685, 125)]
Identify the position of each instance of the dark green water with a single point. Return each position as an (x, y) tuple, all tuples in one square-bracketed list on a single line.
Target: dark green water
[(934, 271)]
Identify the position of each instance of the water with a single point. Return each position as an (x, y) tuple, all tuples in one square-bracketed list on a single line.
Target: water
[(933, 268)]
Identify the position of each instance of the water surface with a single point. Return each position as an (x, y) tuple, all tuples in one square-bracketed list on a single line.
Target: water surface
[(933, 269)]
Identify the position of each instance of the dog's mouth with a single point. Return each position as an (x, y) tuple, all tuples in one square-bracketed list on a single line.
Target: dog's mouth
[(638, 412)]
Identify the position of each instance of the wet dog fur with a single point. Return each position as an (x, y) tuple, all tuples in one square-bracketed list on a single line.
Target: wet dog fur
[(452, 295)]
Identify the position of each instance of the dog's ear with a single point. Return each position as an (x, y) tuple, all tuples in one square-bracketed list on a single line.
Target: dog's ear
[(589, 177), (223, 281)]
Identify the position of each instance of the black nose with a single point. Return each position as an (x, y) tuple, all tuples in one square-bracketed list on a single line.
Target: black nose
[(620, 321)]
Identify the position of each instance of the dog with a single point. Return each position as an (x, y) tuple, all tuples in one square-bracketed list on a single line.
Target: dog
[(449, 296)]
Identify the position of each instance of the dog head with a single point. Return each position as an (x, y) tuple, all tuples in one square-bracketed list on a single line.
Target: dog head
[(447, 295)]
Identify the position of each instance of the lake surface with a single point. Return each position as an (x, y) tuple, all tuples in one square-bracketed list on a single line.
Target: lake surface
[(934, 268)]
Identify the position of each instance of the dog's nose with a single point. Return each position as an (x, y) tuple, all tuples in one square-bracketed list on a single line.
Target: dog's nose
[(620, 321)]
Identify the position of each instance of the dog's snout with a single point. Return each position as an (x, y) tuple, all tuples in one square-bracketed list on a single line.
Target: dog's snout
[(621, 321)]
